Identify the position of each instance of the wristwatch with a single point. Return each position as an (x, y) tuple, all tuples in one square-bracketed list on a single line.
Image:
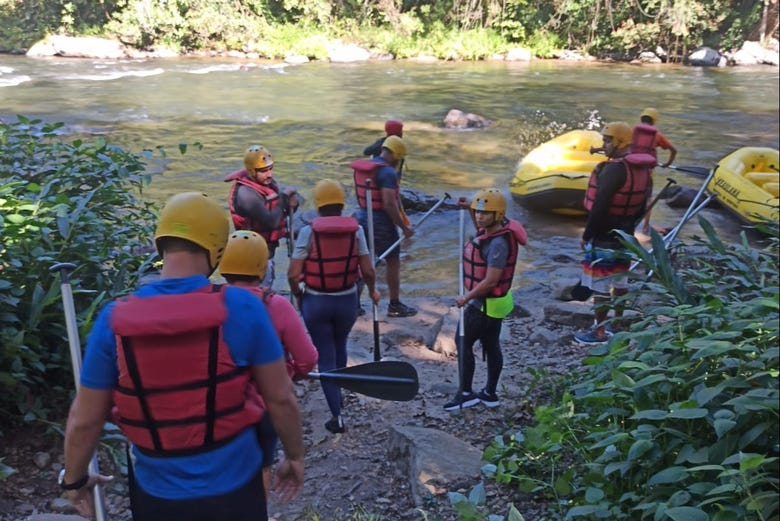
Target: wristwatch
[(79, 483)]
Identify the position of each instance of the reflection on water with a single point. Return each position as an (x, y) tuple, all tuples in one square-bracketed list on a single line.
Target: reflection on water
[(316, 118)]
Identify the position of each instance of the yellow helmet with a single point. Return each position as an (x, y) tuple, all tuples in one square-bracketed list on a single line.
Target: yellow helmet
[(490, 200), (620, 133), (326, 192), (257, 156), (395, 145), (246, 253), (650, 113), (195, 217)]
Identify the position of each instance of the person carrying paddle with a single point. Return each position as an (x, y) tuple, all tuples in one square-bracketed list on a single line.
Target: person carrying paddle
[(380, 175), (322, 275), (180, 359), (649, 116), (243, 264), (259, 204), (488, 268), (615, 199)]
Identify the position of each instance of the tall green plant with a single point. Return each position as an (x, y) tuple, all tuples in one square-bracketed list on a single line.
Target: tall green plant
[(676, 419), (60, 201)]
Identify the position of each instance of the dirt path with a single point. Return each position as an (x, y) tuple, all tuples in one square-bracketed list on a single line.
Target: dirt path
[(351, 473)]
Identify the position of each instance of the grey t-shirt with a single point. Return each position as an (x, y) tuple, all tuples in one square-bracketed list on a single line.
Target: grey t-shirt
[(495, 251), (303, 242)]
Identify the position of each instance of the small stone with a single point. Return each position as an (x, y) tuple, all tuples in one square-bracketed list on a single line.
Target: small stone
[(62, 505), (42, 459)]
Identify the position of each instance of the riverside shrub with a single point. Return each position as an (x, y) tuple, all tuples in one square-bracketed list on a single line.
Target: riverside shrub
[(61, 201), (676, 419)]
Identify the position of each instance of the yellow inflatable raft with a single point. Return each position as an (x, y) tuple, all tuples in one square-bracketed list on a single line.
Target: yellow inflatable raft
[(553, 176), (747, 183)]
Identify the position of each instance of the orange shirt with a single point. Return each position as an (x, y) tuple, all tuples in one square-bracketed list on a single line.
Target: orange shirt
[(662, 142)]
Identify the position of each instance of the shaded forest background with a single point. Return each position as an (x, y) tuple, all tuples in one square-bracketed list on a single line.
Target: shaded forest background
[(458, 29)]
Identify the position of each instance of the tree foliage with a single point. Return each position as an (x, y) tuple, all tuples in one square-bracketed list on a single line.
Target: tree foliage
[(60, 201), (618, 27), (676, 419)]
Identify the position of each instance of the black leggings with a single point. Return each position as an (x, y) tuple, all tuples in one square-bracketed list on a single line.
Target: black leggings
[(478, 326), (244, 504)]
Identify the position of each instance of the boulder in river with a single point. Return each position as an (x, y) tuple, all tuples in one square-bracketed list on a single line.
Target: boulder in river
[(78, 47), (705, 57), (461, 120)]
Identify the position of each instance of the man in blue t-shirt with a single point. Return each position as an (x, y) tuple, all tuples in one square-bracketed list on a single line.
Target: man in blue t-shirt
[(179, 361)]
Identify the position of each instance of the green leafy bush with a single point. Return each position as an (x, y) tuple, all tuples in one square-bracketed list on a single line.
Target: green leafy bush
[(676, 419), (60, 202)]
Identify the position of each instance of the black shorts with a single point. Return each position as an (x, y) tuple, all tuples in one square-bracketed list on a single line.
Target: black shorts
[(244, 504), (267, 439), (384, 237)]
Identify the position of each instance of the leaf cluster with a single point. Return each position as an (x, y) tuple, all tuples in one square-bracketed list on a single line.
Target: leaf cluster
[(61, 201), (677, 418)]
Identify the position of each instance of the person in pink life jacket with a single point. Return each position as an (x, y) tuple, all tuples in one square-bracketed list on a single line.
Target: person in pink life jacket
[(243, 265), (189, 426), (488, 269), (258, 203), (649, 116), (323, 277)]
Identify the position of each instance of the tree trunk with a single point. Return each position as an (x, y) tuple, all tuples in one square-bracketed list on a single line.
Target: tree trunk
[(764, 21)]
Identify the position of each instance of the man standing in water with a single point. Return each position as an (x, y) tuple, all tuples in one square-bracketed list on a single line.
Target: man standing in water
[(615, 199), (257, 203), (383, 177)]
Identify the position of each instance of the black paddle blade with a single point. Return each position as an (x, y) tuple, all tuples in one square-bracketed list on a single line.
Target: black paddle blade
[(388, 380), (581, 293)]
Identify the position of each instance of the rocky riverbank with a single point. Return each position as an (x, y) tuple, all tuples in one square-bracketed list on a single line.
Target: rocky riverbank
[(751, 53), (397, 460)]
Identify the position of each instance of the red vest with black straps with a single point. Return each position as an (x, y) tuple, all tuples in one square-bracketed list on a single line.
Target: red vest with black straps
[(332, 264), (475, 266), (365, 170), (179, 390), (270, 195), (643, 140), (630, 199)]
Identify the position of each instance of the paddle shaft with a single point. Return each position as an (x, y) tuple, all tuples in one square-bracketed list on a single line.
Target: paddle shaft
[(697, 205), (669, 182), (74, 343), (418, 223), (290, 246), (372, 253), (459, 339), (363, 378)]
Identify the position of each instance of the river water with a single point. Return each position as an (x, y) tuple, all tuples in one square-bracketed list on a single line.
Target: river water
[(315, 118)]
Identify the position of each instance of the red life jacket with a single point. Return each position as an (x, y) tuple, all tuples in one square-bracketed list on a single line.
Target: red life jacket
[(270, 195), (631, 198), (643, 140), (332, 264), (475, 266), (365, 170), (179, 390)]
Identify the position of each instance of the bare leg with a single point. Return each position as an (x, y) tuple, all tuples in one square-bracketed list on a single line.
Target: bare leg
[(600, 310), (393, 277)]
